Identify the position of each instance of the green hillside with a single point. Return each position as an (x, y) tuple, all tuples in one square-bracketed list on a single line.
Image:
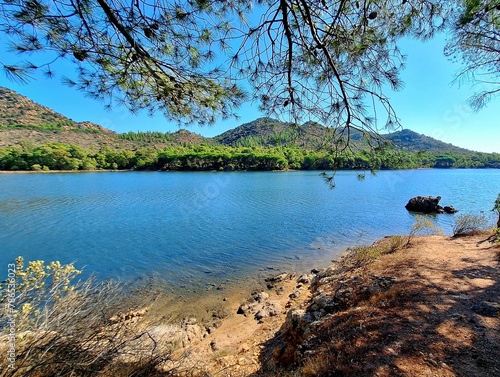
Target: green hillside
[(33, 137)]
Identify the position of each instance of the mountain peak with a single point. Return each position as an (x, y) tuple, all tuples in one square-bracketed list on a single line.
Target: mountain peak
[(17, 109)]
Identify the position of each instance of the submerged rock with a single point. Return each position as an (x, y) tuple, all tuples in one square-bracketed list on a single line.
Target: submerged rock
[(450, 209)]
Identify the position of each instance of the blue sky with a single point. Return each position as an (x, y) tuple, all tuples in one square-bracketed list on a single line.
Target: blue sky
[(428, 104)]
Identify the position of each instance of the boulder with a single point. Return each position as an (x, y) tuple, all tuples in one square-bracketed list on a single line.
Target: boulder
[(305, 278), (270, 309), (449, 209), (428, 204), (425, 204)]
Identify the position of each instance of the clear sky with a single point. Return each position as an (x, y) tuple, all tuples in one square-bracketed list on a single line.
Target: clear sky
[(428, 104)]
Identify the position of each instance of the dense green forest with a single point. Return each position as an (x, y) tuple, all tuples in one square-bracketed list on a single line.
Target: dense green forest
[(57, 156)]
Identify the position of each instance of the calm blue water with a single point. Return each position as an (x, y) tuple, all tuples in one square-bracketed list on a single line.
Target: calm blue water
[(195, 229)]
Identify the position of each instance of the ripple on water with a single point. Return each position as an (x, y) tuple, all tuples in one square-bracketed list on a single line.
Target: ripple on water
[(195, 229)]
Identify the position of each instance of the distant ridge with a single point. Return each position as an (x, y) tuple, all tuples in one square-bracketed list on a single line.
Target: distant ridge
[(272, 132), (412, 141), (22, 120)]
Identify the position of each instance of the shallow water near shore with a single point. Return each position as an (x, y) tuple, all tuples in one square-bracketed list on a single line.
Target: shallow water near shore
[(204, 231)]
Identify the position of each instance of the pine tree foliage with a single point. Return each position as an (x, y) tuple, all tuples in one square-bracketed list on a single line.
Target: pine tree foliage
[(476, 43), (153, 55), (328, 61)]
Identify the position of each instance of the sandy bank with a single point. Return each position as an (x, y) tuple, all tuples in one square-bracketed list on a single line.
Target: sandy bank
[(431, 309)]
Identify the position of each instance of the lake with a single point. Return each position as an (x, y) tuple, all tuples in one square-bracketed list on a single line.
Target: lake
[(199, 229)]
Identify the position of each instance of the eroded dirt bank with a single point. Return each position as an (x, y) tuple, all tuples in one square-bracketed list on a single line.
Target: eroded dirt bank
[(431, 309)]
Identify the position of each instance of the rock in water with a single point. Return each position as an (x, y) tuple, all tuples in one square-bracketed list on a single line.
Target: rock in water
[(449, 209), (425, 204), (428, 204)]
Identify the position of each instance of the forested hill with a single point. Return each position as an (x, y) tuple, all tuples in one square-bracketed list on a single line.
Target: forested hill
[(267, 132), (33, 137), (411, 141), (24, 121)]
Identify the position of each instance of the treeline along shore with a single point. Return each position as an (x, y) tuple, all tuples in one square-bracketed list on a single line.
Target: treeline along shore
[(61, 156)]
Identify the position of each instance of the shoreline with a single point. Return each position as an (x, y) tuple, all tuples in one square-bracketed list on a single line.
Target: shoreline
[(244, 342), (430, 307), (320, 171)]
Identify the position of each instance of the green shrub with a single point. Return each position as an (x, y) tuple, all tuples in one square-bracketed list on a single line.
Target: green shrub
[(66, 329), (496, 208), (469, 224)]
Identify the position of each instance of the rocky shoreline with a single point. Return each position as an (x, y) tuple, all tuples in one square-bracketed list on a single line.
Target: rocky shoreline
[(430, 308)]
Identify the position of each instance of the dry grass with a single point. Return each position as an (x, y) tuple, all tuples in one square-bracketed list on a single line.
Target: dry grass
[(469, 225), (73, 336)]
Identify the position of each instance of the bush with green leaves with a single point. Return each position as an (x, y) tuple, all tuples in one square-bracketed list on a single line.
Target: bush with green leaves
[(496, 208), (65, 328), (469, 224)]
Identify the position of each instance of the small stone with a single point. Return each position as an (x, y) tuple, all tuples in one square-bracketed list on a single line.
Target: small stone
[(243, 309), (210, 329), (261, 296), (261, 314), (213, 346), (274, 308), (305, 279)]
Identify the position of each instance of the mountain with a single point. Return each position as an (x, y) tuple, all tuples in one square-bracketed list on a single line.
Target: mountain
[(411, 141), (24, 121), (17, 109), (272, 132)]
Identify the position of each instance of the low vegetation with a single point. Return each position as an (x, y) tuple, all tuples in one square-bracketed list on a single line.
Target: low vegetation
[(64, 328), (363, 255), (469, 224), (496, 208)]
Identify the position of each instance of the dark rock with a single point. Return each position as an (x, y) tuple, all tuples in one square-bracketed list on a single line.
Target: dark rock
[(425, 204), (428, 204), (449, 209)]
